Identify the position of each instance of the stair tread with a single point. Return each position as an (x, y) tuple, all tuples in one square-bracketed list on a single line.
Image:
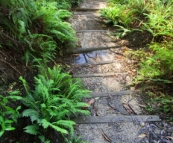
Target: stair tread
[(116, 118)]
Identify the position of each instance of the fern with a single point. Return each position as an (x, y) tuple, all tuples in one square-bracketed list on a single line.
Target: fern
[(33, 114), (8, 115), (54, 100), (32, 129)]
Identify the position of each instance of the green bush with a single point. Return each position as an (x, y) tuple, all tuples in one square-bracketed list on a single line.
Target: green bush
[(55, 99), (8, 115), (159, 63), (155, 60), (36, 28)]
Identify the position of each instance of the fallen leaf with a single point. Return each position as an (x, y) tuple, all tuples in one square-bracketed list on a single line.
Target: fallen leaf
[(142, 136), (168, 137), (91, 101)]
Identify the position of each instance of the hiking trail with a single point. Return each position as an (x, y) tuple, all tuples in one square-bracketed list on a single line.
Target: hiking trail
[(117, 115)]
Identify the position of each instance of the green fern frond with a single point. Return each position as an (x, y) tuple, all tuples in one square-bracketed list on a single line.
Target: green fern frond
[(32, 129), (45, 123), (58, 129), (33, 114)]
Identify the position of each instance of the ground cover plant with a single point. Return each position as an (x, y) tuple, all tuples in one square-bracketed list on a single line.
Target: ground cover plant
[(37, 28), (33, 33), (155, 56)]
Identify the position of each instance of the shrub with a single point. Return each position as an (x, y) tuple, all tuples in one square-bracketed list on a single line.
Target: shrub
[(8, 115), (55, 99), (36, 28)]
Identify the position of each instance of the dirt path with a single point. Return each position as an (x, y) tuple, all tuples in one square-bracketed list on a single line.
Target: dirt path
[(107, 73)]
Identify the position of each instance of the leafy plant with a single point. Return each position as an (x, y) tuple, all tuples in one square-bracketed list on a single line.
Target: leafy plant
[(159, 19), (35, 28), (159, 63), (155, 62), (55, 99), (125, 13), (8, 115), (74, 139)]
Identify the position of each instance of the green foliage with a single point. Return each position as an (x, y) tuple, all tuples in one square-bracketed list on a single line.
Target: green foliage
[(159, 63), (119, 14), (124, 13), (55, 99), (37, 28), (155, 17), (160, 103), (8, 115), (160, 19), (74, 139)]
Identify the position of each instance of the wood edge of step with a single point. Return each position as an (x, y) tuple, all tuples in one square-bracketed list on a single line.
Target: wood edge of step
[(93, 64), (90, 49), (117, 93), (85, 9), (97, 75), (94, 15), (85, 31), (116, 118)]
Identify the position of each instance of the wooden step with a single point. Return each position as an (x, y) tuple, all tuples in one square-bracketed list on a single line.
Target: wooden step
[(118, 93), (93, 64), (86, 14), (85, 9), (90, 49), (91, 5), (82, 31), (117, 118), (97, 75)]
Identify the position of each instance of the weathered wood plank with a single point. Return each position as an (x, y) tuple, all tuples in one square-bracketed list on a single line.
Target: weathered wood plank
[(81, 31), (92, 64), (88, 15), (90, 49), (85, 9), (96, 75), (118, 93), (117, 118)]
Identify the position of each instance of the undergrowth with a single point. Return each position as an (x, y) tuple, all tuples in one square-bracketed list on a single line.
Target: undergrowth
[(155, 63), (37, 30), (54, 100)]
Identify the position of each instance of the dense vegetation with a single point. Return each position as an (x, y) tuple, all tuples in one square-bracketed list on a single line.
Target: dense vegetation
[(155, 67), (39, 110)]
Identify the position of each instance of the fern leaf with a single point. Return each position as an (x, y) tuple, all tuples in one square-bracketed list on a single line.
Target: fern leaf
[(45, 123), (32, 129), (61, 130), (33, 114)]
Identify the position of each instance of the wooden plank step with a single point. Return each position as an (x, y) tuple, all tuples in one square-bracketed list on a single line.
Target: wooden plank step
[(85, 9), (90, 49), (81, 31), (93, 64), (118, 93), (96, 75), (117, 118), (80, 14)]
